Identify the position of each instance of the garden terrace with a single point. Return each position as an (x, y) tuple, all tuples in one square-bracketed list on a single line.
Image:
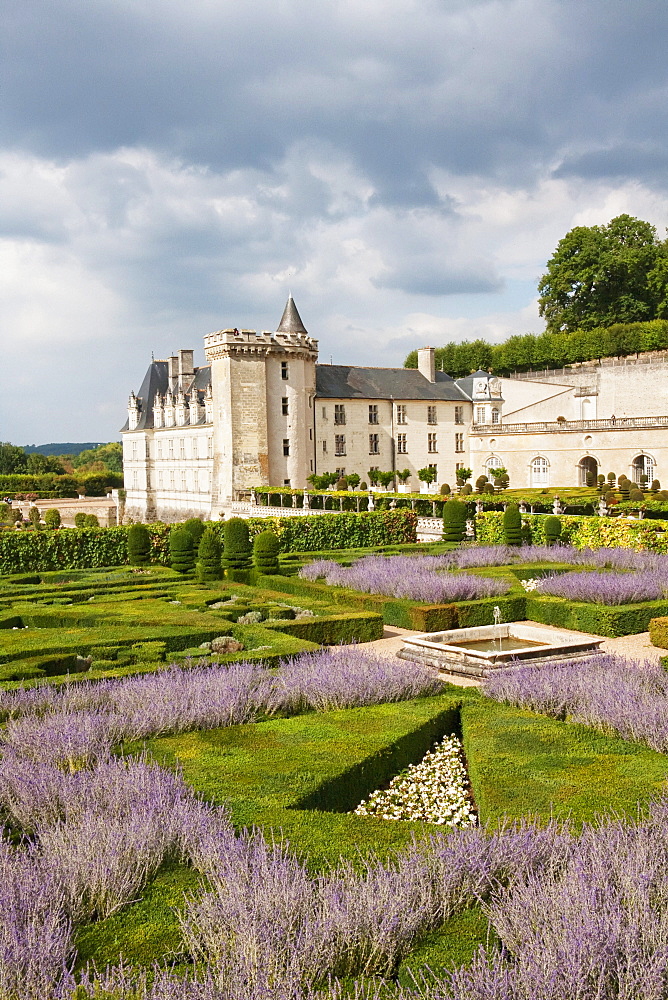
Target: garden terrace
[(128, 621), (393, 903)]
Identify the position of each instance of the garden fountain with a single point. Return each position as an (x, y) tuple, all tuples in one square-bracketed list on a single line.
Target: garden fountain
[(477, 652)]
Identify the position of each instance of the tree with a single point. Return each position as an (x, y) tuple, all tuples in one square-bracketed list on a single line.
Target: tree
[(600, 275), (104, 458), (12, 459)]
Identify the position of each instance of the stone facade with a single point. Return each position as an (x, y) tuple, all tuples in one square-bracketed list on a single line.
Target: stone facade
[(262, 412)]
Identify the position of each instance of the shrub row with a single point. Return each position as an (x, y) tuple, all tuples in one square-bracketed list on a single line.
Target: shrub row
[(87, 548), (581, 532)]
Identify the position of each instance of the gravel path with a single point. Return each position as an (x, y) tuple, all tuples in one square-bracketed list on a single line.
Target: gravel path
[(635, 647)]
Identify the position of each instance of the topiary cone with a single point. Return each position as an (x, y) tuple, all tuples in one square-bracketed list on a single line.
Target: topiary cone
[(181, 550), (512, 525), (208, 557), (139, 545), (265, 552), (454, 520)]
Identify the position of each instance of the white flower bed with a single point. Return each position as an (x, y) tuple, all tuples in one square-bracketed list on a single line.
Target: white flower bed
[(434, 790)]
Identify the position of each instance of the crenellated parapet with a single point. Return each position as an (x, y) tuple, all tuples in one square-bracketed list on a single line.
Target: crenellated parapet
[(247, 343)]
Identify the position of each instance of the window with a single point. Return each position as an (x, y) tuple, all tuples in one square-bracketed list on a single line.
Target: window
[(539, 472), (401, 413), (341, 473), (209, 447), (284, 370), (431, 443), (339, 413), (373, 413), (493, 462), (284, 406), (324, 446), (183, 480), (643, 465), (431, 415), (480, 414), (286, 446), (459, 414), (339, 444), (160, 481), (434, 469), (171, 480), (135, 480), (134, 451), (159, 449), (495, 415), (182, 448), (402, 447), (373, 445), (459, 442), (170, 444), (286, 482), (324, 413), (458, 466)]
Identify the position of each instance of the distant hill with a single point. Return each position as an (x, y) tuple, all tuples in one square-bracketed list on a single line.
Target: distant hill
[(62, 447)]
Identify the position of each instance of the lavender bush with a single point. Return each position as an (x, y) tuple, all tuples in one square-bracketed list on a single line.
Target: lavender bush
[(414, 577), (605, 691), (607, 588)]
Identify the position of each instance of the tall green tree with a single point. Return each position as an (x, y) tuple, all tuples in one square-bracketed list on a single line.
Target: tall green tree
[(601, 275), (12, 459)]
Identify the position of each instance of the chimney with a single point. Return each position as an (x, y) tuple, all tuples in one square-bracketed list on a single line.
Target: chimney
[(186, 362), (427, 363), (173, 366)]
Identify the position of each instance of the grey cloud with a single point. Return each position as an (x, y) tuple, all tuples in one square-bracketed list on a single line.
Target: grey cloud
[(425, 277)]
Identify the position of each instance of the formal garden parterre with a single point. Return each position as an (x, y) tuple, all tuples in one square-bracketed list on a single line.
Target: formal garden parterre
[(180, 815)]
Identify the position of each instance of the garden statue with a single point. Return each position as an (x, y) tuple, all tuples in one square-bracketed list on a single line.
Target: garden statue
[(253, 498), (557, 507), (602, 508), (479, 507), (371, 506)]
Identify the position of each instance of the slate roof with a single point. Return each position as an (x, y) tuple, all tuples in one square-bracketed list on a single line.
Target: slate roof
[(466, 383), (349, 382), (291, 321), (156, 381)]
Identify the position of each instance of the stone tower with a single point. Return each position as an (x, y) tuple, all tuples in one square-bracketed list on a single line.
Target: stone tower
[(263, 387)]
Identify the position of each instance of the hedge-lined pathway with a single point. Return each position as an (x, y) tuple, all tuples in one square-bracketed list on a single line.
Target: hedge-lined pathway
[(634, 647)]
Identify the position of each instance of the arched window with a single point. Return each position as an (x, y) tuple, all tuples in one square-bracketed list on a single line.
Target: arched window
[(540, 471), (588, 465), (494, 462), (495, 415), (643, 465)]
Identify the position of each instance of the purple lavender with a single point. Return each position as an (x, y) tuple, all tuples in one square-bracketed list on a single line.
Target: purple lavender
[(419, 578), (607, 588), (606, 691)]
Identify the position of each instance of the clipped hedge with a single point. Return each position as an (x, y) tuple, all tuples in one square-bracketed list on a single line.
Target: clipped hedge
[(330, 630), (580, 531), (658, 632), (599, 619)]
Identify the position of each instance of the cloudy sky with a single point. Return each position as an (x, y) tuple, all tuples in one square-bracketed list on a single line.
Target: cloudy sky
[(404, 167)]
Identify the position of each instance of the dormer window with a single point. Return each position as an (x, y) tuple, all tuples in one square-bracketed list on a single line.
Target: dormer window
[(496, 416)]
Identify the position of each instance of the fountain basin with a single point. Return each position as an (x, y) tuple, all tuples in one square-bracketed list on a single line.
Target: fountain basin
[(477, 652)]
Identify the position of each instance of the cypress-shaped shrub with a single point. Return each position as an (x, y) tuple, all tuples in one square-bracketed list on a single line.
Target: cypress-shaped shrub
[(512, 525), (480, 483), (601, 483), (624, 487), (181, 550), (80, 520), (196, 528), (446, 490), (454, 520), (466, 489), (52, 518), (208, 557), (33, 516), (265, 552), (552, 529), (656, 486), (236, 544), (488, 488), (139, 544), (636, 495), (342, 484), (590, 479)]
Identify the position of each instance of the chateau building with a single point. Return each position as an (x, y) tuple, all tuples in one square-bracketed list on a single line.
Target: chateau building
[(263, 412)]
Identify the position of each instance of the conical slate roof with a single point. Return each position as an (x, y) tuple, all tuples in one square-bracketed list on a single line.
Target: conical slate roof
[(291, 321)]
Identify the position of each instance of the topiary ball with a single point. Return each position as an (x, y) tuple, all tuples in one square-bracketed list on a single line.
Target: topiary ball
[(208, 557), (80, 520), (181, 550), (91, 521), (195, 527), (454, 520), (139, 544), (552, 529), (512, 525), (265, 552), (237, 548)]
